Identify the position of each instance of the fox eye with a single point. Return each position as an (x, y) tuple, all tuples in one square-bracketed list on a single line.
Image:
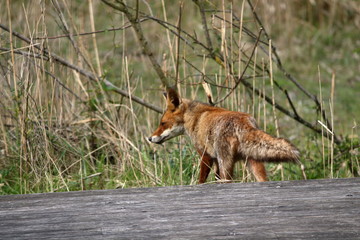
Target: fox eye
[(162, 123)]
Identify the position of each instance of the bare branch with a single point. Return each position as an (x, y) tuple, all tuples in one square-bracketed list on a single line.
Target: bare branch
[(122, 7), (177, 76), (67, 30), (46, 56), (243, 72), (200, 4), (126, 26), (282, 109), (290, 77)]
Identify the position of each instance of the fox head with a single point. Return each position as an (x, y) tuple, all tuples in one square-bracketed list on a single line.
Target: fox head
[(172, 121)]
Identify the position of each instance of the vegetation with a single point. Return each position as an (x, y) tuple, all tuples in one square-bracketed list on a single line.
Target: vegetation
[(82, 82)]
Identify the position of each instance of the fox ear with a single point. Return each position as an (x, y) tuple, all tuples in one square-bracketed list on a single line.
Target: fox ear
[(172, 99)]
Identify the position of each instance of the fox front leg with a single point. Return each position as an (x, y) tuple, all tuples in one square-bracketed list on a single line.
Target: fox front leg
[(205, 166)]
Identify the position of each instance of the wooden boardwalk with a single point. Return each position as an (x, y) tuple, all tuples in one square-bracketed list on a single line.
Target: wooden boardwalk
[(314, 209)]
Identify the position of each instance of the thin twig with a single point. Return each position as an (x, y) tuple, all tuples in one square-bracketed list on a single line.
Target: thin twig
[(243, 72), (200, 4), (62, 84), (177, 75), (46, 56), (282, 109), (90, 33), (278, 63), (122, 7), (67, 30), (289, 76)]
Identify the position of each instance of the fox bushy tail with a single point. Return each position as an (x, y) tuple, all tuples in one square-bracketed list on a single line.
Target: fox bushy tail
[(262, 147)]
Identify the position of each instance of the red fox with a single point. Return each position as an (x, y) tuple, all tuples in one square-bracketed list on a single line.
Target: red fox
[(221, 137)]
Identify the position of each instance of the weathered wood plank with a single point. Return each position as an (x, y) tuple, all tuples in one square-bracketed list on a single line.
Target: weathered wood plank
[(320, 209)]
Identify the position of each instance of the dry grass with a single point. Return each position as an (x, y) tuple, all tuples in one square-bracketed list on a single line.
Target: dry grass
[(61, 130)]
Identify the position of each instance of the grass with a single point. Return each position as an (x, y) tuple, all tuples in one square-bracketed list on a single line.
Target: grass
[(53, 139)]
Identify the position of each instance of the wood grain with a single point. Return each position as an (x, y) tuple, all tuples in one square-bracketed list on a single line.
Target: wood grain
[(314, 209)]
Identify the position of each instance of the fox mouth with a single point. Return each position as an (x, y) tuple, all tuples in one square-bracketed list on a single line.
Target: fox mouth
[(160, 141)]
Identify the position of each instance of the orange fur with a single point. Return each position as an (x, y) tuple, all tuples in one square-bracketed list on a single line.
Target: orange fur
[(222, 137)]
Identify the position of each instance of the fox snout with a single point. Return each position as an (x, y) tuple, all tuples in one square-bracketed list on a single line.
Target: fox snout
[(161, 135), (155, 139)]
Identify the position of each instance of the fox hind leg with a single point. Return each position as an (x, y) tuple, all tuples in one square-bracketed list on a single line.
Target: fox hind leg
[(226, 169), (217, 169), (258, 169)]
